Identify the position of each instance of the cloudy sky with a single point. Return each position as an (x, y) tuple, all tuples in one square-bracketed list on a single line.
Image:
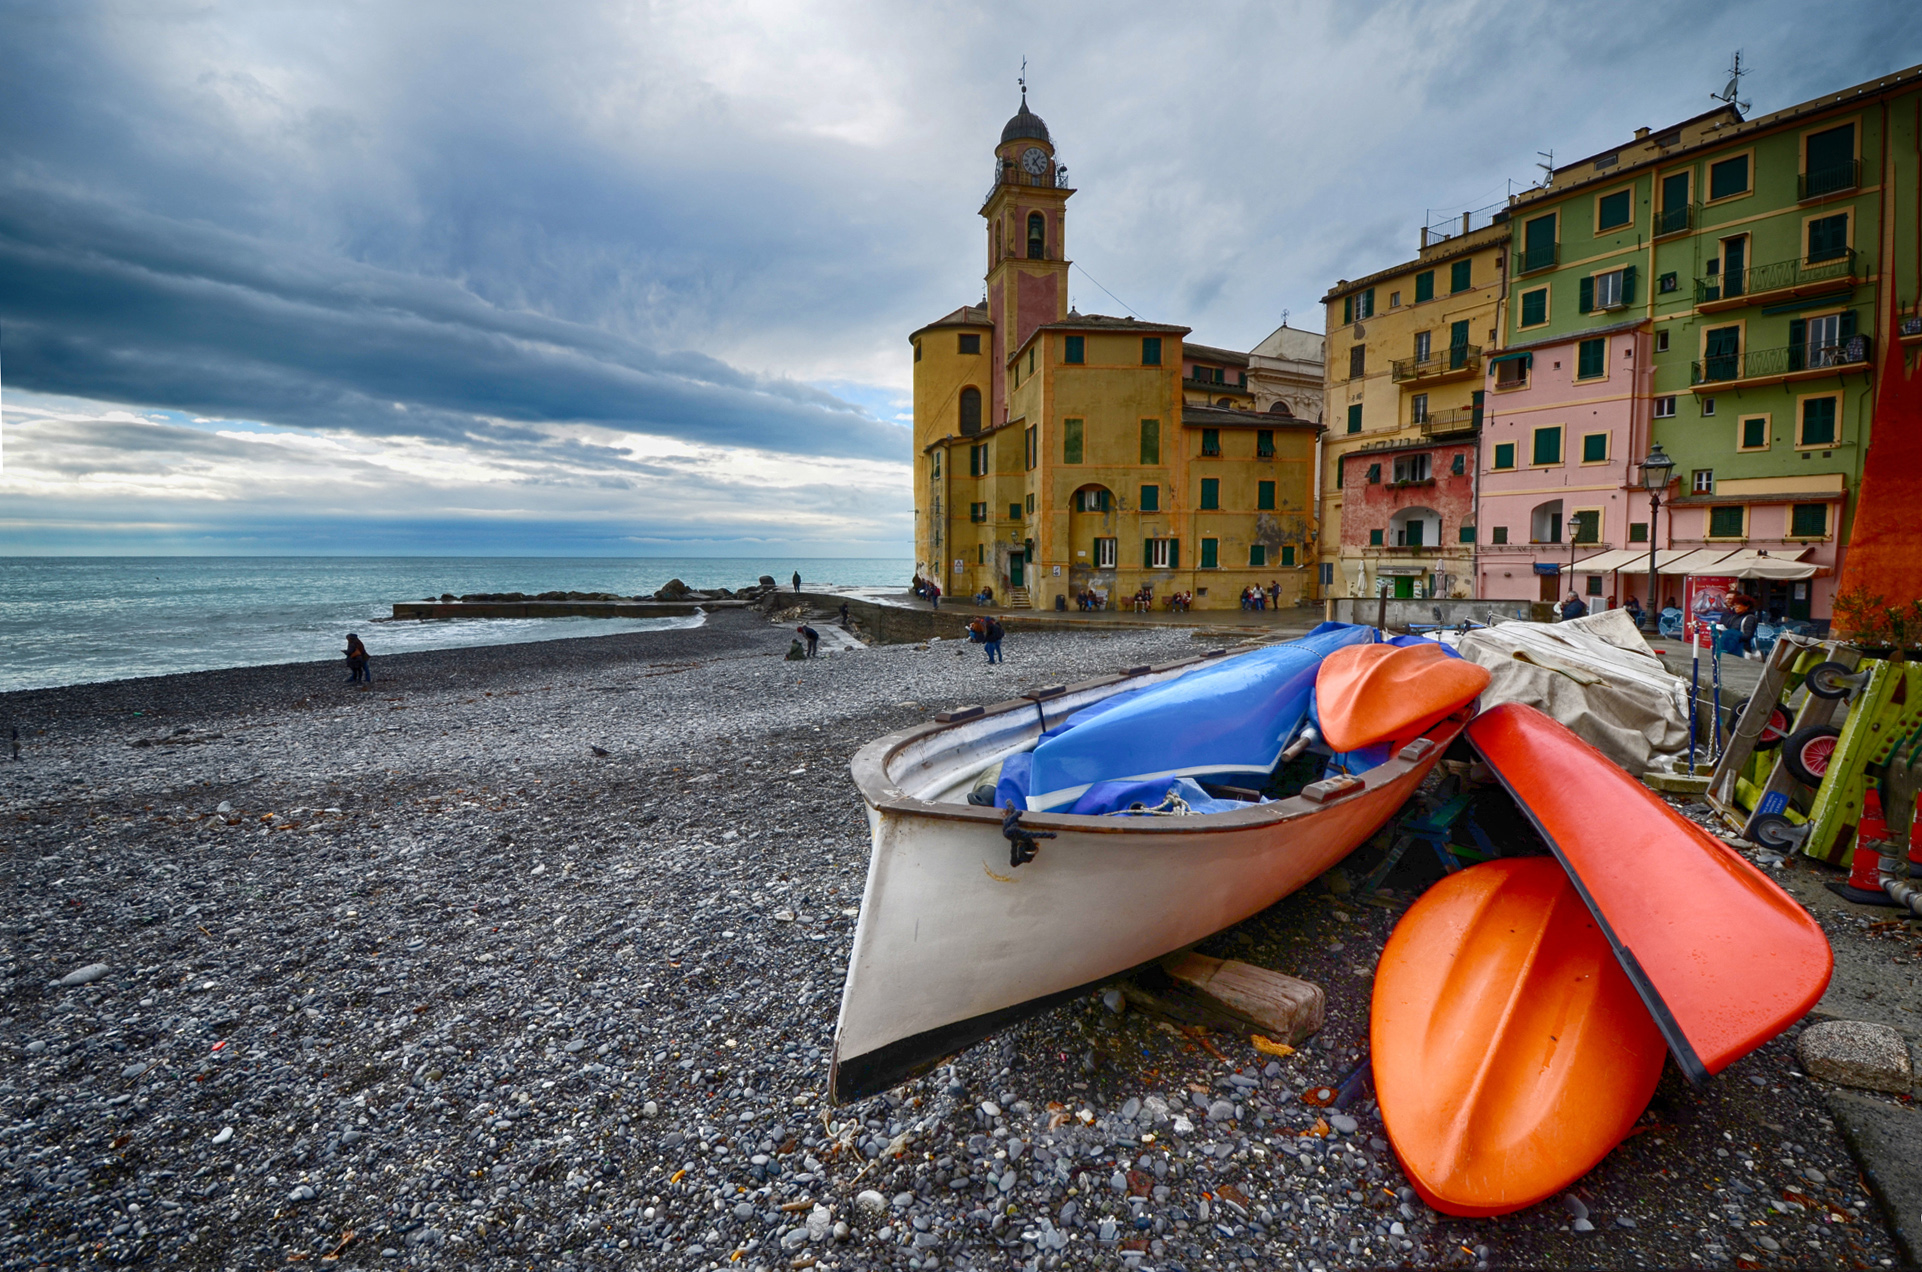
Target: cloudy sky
[(635, 279)]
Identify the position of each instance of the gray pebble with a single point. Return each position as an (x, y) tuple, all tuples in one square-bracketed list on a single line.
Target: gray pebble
[(301, 1193), (1221, 1111), (84, 976), (1582, 1225), (1575, 1206), (1343, 1123)]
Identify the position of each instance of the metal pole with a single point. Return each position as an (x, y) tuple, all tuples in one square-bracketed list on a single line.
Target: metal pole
[(1654, 519)]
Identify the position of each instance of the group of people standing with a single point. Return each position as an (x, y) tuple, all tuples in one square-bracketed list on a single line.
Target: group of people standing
[(928, 590), (1256, 597)]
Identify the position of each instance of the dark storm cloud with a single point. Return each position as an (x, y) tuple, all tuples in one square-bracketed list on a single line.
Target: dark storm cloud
[(111, 303)]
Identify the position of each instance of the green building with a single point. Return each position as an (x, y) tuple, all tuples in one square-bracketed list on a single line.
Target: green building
[(1727, 288)]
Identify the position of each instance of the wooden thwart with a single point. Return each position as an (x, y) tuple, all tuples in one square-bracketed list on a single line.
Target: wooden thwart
[(1230, 995)]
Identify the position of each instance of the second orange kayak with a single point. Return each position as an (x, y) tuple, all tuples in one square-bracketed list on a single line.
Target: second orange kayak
[(1510, 1051), (1723, 958), (1365, 694)]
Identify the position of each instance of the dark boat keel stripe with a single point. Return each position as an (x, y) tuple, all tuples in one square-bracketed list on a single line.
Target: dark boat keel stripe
[(872, 1072), (1679, 1046)]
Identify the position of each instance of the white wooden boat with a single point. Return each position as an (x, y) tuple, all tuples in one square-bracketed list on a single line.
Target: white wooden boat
[(954, 943)]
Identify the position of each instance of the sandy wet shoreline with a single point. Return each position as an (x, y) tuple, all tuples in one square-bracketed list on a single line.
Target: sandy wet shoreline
[(482, 996)]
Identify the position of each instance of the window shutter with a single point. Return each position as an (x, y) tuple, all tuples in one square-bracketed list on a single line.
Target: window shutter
[(1588, 296), (1347, 309), (1174, 554), (1628, 285), (1848, 324), (1798, 343), (1148, 553)]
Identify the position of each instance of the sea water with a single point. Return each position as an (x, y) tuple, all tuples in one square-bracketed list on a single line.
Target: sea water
[(65, 620)]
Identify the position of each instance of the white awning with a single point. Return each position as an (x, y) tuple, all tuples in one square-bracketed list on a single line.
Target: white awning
[(1750, 564), (1702, 561), (1609, 562)]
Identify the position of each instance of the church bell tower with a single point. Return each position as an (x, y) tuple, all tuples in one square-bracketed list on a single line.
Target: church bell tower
[(1028, 262)]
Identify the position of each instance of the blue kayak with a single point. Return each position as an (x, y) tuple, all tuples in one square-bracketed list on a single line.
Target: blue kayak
[(1219, 723)]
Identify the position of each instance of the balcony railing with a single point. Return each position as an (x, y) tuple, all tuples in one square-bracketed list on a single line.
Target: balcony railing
[(1212, 386), (1461, 419), (1446, 361), (1761, 364), (1829, 179), (1530, 259), (1674, 220), (1759, 280)]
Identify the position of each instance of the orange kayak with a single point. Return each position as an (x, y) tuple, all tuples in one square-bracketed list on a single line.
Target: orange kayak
[(1723, 959), (1510, 1051), (1366, 694)]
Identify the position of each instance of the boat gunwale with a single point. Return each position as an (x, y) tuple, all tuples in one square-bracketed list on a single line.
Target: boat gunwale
[(869, 768)]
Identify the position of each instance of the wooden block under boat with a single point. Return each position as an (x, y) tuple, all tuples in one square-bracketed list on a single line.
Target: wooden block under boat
[(1284, 1007)]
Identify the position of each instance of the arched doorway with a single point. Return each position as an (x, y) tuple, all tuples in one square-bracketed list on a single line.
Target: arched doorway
[(1416, 528)]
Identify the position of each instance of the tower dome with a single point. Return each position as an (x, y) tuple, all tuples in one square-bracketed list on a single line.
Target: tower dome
[(1025, 124)]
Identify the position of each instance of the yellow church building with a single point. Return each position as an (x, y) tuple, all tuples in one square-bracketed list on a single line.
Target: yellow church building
[(1058, 454)]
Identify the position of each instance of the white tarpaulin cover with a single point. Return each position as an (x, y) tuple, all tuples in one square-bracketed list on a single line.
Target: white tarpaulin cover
[(1596, 675)]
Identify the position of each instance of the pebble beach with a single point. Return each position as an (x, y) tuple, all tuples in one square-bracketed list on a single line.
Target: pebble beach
[(529, 956)]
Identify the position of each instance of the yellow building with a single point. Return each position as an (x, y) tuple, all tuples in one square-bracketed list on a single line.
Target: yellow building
[(1057, 453), (1403, 378)]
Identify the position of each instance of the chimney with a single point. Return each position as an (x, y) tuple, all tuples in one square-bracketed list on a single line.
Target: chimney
[(1465, 217), (1641, 134)]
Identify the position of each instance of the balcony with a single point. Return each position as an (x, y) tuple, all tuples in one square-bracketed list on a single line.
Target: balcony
[(1791, 363), (1530, 259), (1760, 284), (1440, 364), (1462, 419), (1674, 220), (1828, 180), (1215, 386)]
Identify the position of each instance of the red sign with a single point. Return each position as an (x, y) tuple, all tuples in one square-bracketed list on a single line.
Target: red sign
[(1704, 597)]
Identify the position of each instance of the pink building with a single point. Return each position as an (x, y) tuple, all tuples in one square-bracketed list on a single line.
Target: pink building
[(1564, 427)]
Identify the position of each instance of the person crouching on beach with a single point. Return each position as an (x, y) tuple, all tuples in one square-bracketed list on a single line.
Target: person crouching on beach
[(357, 672), (809, 635)]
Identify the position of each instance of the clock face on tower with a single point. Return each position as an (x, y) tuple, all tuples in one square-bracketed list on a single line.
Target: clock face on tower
[(1035, 160)]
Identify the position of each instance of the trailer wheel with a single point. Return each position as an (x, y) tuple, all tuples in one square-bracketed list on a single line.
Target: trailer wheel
[(1807, 753), (1829, 680), (1773, 731), (1774, 831)]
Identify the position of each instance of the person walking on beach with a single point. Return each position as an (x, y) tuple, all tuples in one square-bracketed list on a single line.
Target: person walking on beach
[(991, 638), (357, 672), (844, 614), (797, 581), (811, 636)]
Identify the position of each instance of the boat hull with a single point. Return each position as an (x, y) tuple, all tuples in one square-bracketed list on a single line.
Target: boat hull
[(954, 944)]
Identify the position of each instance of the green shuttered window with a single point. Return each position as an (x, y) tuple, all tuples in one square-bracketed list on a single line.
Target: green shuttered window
[(1728, 177), (1504, 455), (1076, 349), (1828, 237), (1535, 307), (1612, 211), (1288, 555), (1424, 286), (1151, 351), (1548, 446), (1151, 499), (1590, 358), (1726, 522), (1071, 441), (1151, 441), (1818, 422), (1458, 276), (1374, 539), (1210, 493), (1595, 448), (1210, 551), (1265, 496), (1354, 418), (1808, 521), (1257, 554)]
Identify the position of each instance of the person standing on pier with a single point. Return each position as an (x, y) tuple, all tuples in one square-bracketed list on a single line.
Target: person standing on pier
[(797, 581)]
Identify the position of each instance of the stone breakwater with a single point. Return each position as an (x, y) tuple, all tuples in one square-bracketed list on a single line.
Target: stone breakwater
[(530, 955)]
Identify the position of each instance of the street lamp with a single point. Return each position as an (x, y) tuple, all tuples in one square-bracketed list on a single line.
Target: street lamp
[(1655, 473)]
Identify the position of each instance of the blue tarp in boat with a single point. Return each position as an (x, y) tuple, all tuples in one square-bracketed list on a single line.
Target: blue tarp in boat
[(1216, 724)]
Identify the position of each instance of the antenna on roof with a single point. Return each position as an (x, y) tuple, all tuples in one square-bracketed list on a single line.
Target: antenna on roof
[(1731, 95), (1548, 181)]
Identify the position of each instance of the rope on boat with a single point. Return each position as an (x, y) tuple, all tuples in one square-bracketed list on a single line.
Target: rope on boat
[(1173, 806), (1021, 841)]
